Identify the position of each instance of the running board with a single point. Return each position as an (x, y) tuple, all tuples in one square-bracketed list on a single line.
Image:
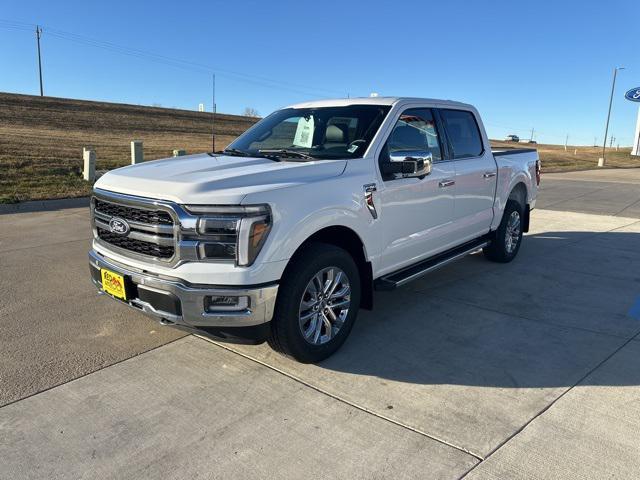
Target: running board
[(417, 270)]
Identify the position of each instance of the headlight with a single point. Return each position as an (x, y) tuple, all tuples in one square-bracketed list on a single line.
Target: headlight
[(231, 232)]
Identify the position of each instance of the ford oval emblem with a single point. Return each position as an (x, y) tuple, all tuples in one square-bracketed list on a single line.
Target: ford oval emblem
[(633, 95), (119, 226)]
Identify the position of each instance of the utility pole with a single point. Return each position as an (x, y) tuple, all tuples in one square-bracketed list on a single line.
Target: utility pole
[(38, 34), (602, 161), (213, 119), (611, 141), (531, 139), (566, 141), (595, 141)]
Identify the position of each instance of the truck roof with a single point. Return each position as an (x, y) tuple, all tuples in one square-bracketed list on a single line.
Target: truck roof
[(342, 102)]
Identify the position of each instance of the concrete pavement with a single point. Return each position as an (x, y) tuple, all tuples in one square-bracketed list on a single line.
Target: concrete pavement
[(603, 192), (592, 432), (472, 359), (208, 413), (525, 370), (54, 327)]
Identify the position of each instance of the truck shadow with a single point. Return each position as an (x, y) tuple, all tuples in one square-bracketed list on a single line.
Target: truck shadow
[(544, 320)]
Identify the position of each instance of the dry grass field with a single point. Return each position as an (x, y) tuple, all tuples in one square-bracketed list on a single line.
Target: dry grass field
[(41, 141), (555, 159)]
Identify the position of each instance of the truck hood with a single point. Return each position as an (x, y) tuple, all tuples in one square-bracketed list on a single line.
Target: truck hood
[(203, 179)]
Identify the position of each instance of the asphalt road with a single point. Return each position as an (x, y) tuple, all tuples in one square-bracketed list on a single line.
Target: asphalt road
[(601, 192), (525, 370)]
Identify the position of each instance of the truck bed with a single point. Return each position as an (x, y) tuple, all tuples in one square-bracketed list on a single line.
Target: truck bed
[(511, 151)]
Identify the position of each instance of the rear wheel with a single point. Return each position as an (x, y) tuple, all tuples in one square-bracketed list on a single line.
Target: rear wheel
[(317, 304), (508, 237)]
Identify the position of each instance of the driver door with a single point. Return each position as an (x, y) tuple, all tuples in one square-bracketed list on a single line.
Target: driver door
[(415, 214)]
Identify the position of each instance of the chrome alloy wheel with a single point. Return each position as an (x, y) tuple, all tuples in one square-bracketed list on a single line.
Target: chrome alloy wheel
[(512, 232), (324, 305)]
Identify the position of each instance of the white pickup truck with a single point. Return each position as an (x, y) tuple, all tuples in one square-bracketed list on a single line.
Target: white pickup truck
[(286, 233)]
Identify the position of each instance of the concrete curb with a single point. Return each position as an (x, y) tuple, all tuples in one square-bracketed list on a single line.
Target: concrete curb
[(44, 205)]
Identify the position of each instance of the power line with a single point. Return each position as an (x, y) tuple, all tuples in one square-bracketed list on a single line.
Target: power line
[(176, 62)]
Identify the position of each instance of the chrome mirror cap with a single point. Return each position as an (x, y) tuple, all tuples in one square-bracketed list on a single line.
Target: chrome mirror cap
[(414, 163)]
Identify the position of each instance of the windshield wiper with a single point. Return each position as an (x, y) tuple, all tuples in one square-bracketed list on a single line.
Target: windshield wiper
[(286, 153), (241, 153), (236, 151)]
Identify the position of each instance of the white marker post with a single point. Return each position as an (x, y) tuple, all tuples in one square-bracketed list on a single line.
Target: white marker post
[(89, 171), (137, 155)]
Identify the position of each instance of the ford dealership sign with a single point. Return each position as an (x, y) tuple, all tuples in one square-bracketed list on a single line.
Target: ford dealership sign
[(633, 95)]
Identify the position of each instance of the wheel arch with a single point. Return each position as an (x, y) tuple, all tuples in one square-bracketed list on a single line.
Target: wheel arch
[(347, 239), (519, 193)]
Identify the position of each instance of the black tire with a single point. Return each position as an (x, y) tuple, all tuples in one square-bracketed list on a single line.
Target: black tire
[(286, 335), (499, 249)]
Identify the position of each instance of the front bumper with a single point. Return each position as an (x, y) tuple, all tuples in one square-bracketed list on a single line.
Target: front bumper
[(175, 302)]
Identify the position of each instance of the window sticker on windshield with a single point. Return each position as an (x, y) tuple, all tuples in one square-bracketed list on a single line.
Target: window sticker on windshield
[(352, 148), (304, 133)]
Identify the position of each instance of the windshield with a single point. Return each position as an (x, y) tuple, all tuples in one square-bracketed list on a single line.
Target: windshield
[(318, 133)]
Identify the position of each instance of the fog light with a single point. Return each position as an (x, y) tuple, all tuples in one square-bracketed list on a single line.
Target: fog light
[(217, 303)]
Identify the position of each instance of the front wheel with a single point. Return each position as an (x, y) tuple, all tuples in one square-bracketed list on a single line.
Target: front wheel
[(318, 301), (508, 237)]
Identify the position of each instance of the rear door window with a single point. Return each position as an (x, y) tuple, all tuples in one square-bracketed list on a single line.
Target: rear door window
[(463, 132)]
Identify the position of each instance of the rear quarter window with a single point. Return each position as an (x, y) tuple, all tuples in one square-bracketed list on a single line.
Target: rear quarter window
[(464, 134)]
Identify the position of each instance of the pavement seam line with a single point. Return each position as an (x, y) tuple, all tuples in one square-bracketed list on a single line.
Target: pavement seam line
[(551, 404), (628, 206), (343, 400), (92, 372)]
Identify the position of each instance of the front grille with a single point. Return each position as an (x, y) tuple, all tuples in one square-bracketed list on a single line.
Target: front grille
[(136, 246), (151, 229), (153, 217)]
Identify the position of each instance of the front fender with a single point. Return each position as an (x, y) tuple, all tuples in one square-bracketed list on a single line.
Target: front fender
[(301, 211)]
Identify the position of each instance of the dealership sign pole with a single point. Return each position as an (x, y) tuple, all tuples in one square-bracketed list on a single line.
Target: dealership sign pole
[(633, 95), (602, 160)]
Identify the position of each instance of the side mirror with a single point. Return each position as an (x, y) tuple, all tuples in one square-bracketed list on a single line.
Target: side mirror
[(408, 164)]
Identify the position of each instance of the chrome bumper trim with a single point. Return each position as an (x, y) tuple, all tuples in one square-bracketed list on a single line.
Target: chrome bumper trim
[(260, 310)]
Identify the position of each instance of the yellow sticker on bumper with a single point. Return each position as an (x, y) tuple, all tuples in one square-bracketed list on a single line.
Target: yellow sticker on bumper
[(113, 284)]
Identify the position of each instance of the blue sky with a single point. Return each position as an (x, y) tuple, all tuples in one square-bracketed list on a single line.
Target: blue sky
[(546, 65)]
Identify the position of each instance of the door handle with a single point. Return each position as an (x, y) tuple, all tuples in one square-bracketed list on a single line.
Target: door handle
[(489, 174), (446, 183)]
